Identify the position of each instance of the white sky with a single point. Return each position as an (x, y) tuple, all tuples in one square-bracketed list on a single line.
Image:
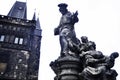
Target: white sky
[(98, 19)]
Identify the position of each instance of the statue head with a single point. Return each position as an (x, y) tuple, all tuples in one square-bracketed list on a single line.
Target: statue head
[(92, 45), (63, 8), (114, 55), (84, 39)]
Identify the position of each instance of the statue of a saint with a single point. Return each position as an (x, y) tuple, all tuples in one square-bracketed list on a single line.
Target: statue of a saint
[(65, 29)]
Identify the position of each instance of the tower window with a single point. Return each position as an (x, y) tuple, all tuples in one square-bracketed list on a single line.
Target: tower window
[(18, 40), (14, 28), (21, 41), (5, 27), (7, 37), (18, 28), (11, 40), (2, 37), (1, 25), (10, 27)]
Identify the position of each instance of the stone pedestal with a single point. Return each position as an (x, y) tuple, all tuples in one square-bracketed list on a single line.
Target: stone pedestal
[(67, 68)]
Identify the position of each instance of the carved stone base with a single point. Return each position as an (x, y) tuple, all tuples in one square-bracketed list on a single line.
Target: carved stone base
[(67, 68)]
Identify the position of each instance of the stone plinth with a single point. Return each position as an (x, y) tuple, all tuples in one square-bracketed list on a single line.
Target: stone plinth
[(67, 68)]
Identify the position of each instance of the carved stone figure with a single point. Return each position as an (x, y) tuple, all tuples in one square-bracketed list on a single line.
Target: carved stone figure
[(79, 59), (96, 64), (111, 74), (65, 29)]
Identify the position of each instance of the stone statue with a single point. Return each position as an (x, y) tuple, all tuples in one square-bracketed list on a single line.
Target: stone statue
[(79, 59), (65, 29), (86, 45), (96, 64)]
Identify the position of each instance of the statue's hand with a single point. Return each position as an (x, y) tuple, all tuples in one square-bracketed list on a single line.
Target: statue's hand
[(75, 18), (76, 13), (56, 31)]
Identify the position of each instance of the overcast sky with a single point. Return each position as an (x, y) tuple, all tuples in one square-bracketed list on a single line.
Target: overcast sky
[(98, 19)]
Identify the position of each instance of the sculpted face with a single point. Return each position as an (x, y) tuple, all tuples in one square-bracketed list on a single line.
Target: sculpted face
[(63, 11), (63, 8)]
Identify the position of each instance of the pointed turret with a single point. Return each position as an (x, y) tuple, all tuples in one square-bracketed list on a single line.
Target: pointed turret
[(18, 10), (38, 24), (34, 16)]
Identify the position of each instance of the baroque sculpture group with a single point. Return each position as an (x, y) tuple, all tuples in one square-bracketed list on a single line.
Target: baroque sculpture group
[(79, 59)]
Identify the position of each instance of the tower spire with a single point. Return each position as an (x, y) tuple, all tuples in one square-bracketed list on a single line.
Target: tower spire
[(38, 23), (34, 15), (18, 10)]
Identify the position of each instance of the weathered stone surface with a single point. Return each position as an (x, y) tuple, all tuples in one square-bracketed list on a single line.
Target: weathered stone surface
[(16, 64), (79, 59), (20, 41), (67, 68)]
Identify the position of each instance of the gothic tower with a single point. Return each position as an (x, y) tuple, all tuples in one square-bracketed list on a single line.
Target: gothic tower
[(20, 41)]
